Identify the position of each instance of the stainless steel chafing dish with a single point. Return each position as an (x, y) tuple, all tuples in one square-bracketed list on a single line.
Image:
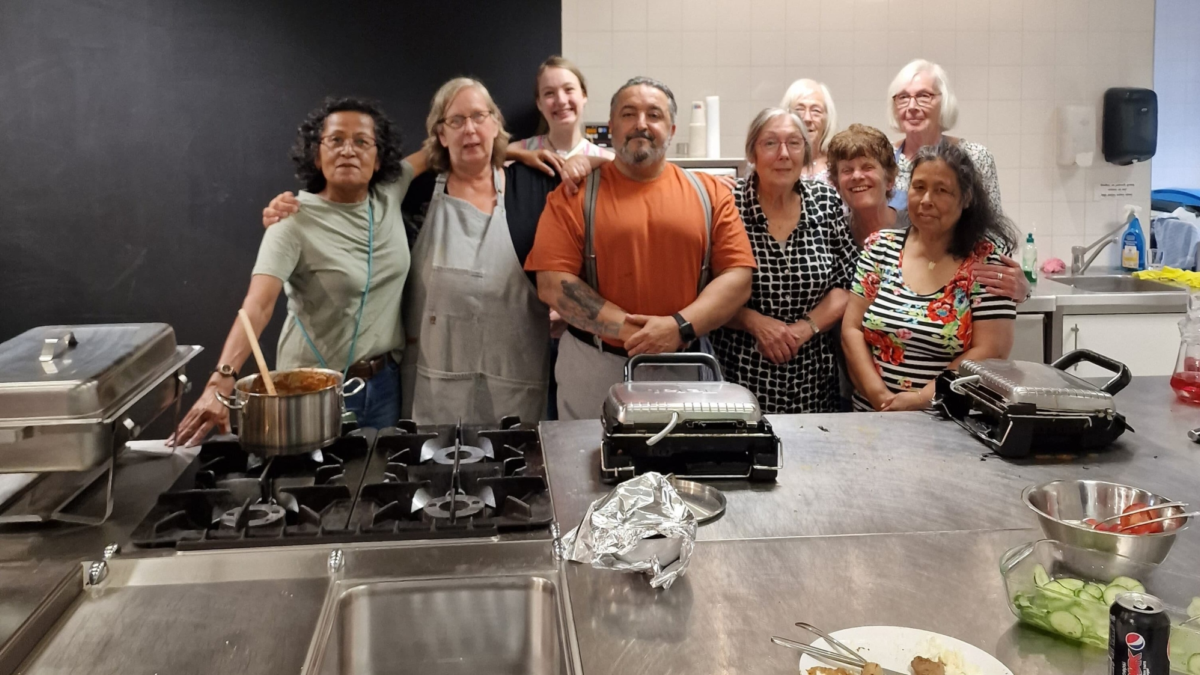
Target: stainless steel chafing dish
[(695, 429), (71, 396), (1019, 408)]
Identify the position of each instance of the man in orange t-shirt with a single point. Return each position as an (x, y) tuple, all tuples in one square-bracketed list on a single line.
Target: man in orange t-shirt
[(649, 233)]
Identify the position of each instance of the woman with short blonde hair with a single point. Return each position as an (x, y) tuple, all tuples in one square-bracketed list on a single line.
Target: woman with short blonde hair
[(438, 120)]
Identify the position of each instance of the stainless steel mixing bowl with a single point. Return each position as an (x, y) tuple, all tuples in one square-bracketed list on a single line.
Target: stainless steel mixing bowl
[(1062, 505)]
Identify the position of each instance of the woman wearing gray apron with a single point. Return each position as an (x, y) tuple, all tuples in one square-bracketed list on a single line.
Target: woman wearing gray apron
[(477, 334)]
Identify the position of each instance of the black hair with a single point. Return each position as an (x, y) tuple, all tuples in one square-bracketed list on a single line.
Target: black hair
[(306, 149), (979, 221)]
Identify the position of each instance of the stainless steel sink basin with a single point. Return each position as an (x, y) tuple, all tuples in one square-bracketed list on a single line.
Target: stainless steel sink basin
[(1117, 284), (496, 625)]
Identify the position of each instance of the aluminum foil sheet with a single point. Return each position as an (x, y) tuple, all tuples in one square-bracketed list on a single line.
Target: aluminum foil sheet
[(641, 526)]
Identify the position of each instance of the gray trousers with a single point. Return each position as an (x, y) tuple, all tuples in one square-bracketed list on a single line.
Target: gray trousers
[(585, 374)]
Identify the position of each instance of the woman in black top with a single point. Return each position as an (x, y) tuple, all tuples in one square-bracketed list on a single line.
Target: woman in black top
[(779, 345)]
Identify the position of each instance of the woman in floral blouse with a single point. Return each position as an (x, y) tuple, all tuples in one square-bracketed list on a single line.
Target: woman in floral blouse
[(916, 306)]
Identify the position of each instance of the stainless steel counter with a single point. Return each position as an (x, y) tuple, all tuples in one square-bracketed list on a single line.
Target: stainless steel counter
[(923, 513), (1049, 295), (33, 559), (869, 473), (736, 594)]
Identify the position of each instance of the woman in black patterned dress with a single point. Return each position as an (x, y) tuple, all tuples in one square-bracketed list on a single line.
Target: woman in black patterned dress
[(779, 345)]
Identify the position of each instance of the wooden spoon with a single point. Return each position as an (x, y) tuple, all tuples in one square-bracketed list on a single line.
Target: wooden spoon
[(262, 363)]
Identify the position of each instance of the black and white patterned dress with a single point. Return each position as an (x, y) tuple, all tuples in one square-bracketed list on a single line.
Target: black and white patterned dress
[(791, 279)]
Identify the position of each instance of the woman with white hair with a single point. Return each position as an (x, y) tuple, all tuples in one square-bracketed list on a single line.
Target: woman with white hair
[(779, 345), (921, 104), (813, 104)]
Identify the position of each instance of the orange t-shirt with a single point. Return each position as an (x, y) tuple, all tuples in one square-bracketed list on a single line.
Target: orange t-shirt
[(649, 239)]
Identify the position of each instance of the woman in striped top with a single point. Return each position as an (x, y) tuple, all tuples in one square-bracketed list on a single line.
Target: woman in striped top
[(916, 306)]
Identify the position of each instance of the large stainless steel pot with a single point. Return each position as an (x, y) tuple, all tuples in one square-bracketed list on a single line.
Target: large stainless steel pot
[(305, 416)]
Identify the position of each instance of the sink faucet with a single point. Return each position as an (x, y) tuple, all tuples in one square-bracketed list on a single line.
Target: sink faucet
[(1078, 264)]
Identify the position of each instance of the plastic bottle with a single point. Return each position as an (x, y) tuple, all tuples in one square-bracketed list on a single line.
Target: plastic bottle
[(1029, 259), (1185, 379), (1133, 242)]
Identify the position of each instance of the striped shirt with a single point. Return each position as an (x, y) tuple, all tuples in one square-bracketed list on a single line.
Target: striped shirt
[(914, 337), (584, 147)]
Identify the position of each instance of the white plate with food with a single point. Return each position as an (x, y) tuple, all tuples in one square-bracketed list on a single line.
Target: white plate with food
[(896, 647)]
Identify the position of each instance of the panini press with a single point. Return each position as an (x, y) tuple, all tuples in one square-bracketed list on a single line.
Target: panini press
[(1020, 408), (701, 430)]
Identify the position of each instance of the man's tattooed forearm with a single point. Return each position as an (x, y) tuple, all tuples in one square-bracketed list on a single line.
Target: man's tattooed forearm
[(581, 306), (581, 299)]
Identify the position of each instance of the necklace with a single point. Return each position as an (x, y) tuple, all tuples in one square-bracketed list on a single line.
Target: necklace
[(554, 147)]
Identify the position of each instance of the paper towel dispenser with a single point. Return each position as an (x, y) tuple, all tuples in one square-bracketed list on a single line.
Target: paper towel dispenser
[(1076, 135), (1130, 125)]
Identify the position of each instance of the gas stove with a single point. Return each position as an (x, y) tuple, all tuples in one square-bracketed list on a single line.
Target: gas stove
[(402, 482)]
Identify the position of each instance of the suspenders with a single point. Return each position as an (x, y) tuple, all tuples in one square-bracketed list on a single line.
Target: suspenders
[(592, 188)]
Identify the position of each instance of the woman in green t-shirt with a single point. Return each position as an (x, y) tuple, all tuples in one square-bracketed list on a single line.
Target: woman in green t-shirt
[(342, 261)]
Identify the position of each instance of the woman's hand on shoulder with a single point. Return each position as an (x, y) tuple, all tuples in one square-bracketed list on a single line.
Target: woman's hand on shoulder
[(281, 207), (544, 160), (728, 181), (1006, 280), (574, 171)]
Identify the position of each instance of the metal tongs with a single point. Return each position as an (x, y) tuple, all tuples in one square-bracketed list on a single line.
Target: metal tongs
[(844, 655)]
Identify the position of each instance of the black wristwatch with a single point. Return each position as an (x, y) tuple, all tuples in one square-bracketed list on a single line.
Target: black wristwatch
[(226, 370), (686, 332)]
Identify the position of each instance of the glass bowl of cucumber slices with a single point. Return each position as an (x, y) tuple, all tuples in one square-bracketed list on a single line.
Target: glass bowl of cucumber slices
[(1067, 591), (1065, 507)]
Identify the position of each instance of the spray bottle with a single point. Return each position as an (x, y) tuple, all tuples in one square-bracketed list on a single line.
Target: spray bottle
[(1133, 242)]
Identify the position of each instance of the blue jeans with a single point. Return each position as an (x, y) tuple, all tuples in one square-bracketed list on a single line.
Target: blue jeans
[(378, 404)]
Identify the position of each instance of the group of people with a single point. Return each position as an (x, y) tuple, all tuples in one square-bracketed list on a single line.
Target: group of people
[(844, 270)]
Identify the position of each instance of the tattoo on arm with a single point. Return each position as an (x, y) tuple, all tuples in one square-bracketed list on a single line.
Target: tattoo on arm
[(581, 305)]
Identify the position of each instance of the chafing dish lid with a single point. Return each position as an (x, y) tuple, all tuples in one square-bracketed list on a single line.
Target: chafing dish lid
[(652, 402), (79, 372), (1045, 386)]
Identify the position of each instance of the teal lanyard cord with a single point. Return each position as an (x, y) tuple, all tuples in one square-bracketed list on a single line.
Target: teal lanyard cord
[(361, 306)]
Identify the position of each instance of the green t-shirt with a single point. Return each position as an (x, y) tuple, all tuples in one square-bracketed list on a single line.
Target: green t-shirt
[(320, 254)]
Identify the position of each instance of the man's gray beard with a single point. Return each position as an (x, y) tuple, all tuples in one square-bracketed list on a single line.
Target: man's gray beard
[(652, 155)]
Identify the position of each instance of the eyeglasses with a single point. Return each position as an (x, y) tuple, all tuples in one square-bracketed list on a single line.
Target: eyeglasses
[(815, 110), (924, 99), (457, 121), (771, 146), (361, 145)]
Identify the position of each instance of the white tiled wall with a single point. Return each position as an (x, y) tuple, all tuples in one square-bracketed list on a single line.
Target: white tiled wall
[(1177, 81), (1011, 62)]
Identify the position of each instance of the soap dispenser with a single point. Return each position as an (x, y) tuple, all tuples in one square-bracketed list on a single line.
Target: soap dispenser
[(1133, 242)]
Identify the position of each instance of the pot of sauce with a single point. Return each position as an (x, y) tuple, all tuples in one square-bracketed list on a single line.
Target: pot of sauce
[(306, 415)]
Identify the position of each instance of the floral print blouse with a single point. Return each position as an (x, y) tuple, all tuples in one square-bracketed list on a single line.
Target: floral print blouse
[(914, 337)]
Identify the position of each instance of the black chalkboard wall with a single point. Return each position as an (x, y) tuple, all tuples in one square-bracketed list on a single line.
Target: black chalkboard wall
[(140, 139)]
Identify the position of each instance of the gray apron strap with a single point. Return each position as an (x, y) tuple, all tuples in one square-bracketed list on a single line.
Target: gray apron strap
[(706, 267), (590, 276)]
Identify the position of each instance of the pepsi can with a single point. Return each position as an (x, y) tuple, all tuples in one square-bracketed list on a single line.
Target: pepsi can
[(1138, 633)]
